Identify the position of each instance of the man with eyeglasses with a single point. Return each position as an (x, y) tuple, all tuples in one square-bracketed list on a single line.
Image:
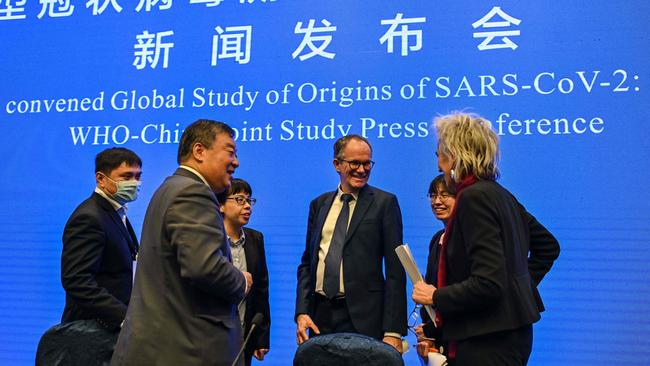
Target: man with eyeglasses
[(247, 248), (352, 234)]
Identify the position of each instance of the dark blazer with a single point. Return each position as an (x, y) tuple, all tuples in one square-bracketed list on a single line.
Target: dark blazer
[(183, 309), (258, 298), (97, 263), (376, 305), (431, 277), (497, 254)]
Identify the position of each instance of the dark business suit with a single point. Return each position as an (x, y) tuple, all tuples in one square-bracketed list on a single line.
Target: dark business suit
[(183, 309), (375, 305), (96, 263), (258, 298), (491, 291)]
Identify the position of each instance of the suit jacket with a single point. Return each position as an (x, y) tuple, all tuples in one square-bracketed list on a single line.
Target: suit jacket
[(431, 277), (497, 254), (183, 308), (376, 304), (97, 263), (258, 298)]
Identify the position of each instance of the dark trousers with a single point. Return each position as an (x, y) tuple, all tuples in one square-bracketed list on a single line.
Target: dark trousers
[(507, 348), (248, 357), (332, 316)]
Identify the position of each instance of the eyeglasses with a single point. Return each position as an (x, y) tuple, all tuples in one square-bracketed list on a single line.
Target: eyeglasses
[(443, 196), (414, 321), (414, 318), (243, 200), (354, 165)]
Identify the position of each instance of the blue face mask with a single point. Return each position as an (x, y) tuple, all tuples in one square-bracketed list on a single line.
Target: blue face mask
[(127, 190)]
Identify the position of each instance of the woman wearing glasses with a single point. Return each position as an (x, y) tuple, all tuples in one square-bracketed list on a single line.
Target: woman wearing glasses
[(493, 256), (442, 200), (247, 251)]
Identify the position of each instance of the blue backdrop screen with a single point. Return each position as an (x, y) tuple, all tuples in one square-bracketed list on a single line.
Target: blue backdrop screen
[(565, 85)]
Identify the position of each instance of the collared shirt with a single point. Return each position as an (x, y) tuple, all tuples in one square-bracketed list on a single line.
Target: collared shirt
[(326, 238), (195, 172), (114, 203), (239, 261)]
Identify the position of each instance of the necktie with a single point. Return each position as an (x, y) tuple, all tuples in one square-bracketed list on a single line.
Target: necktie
[(331, 282)]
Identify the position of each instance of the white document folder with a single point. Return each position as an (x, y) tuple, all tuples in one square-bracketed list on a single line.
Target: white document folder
[(405, 256)]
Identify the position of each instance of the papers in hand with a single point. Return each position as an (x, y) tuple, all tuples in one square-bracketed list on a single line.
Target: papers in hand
[(436, 359), (406, 258)]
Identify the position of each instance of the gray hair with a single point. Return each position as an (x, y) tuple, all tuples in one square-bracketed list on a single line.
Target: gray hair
[(471, 143)]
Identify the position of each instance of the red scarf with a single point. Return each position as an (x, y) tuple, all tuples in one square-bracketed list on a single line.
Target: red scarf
[(442, 260)]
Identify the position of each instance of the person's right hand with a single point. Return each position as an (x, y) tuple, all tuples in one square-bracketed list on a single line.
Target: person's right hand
[(423, 293), (260, 353), (249, 281), (304, 321), (424, 347)]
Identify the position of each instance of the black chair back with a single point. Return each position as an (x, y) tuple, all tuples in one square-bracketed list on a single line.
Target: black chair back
[(346, 349), (78, 343)]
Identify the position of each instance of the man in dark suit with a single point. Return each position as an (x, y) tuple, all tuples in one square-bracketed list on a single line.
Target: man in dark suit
[(351, 234), (99, 245), (247, 247), (183, 309)]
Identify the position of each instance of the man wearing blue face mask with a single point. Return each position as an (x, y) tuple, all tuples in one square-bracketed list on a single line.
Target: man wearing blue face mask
[(99, 245)]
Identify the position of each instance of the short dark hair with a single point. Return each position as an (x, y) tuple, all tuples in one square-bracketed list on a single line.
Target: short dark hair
[(342, 142), (201, 131), (237, 186), (111, 158), (439, 182)]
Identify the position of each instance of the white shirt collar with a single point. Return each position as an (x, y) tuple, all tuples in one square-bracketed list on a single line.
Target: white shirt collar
[(240, 242), (110, 200), (339, 193), (195, 172)]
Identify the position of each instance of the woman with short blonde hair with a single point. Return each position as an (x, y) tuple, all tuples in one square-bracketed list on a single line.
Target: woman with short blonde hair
[(493, 255), (471, 142)]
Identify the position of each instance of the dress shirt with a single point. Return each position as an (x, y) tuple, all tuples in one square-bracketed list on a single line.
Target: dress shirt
[(197, 174), (118, 208), (326, 238), (239, 261)]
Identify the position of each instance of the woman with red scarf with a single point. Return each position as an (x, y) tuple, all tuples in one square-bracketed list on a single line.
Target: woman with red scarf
[(493, 256)]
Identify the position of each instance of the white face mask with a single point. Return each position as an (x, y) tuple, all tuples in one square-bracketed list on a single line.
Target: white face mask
[(127, 190)]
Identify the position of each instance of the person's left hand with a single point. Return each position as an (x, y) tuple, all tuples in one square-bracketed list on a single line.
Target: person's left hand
[(419, 331), (260, 353), (423, 293), (395, 342), (249, 281)]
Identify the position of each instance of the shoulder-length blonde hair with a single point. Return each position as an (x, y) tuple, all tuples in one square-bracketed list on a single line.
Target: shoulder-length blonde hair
[(469, 141)]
